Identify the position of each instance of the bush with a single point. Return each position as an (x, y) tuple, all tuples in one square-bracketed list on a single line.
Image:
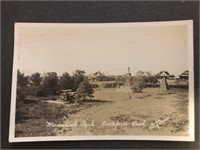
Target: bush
[(138, 84), (150, 79), (94, 85), (85, 88), (151, 85), (109, 85)]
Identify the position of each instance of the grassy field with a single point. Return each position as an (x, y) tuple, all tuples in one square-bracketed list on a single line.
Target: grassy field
[(33, 114), (153, 112)]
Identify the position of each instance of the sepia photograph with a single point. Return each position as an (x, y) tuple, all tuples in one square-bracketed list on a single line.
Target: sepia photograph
[(103, 81)]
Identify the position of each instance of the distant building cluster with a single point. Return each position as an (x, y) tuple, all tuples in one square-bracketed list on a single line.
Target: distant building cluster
[(165, 74), (100, 76)]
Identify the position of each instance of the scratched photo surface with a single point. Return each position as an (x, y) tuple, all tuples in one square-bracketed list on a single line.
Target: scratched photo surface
[(102, 80)]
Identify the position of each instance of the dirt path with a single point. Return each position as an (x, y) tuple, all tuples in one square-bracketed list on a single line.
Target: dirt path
[(151, 112)]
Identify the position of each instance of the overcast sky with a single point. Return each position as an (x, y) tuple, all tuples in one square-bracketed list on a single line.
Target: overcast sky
[(108, 48)]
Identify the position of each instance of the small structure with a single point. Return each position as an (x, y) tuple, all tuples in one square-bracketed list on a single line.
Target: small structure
[(164, 74), (184, 75), (164, 84), (97, 76)]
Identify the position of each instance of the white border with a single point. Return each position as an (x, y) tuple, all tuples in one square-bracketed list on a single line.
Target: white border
[(191, 137)]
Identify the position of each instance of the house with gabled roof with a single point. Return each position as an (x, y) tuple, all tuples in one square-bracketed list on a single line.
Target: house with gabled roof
[(164, 74), (184, 75)]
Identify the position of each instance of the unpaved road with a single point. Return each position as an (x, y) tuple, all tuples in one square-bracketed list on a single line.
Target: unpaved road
[(153, 112)]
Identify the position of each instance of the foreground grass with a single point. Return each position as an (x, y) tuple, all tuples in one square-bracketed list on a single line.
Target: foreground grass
[(32, 116)]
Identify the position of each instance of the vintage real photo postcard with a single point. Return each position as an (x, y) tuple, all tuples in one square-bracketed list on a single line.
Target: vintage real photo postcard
[(104, 81)]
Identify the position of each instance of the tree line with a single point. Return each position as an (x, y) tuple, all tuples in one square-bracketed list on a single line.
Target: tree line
[(51, 84)]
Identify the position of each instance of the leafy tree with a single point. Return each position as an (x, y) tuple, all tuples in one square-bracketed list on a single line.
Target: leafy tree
[(50, 83), (148, 78), (139, 73), (85, 87), (66, 81), (36, 79), (22, 80), (138, 84), (20, 95), (143, 73), (151, 79), (77, 79), (120, 79)]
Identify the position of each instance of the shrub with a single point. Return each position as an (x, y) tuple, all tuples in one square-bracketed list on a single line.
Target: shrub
[(94, 85), (138, 84), (120, 79), (85, 87), (150, 79), (109, 85)]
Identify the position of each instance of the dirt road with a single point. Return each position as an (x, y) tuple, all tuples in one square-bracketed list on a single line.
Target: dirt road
[(153, 112)]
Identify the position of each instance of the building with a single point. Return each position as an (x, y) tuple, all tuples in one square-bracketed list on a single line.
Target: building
[(184, 75), (164, 74), (99, 76)]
